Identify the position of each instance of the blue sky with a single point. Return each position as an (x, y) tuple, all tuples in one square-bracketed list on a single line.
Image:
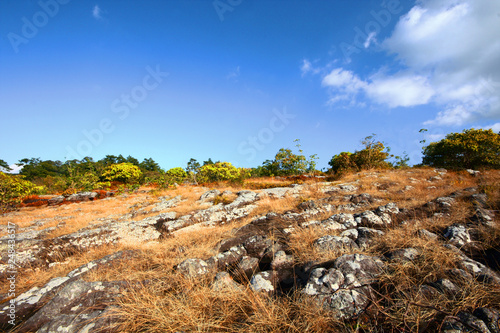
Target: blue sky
[(236, 80)]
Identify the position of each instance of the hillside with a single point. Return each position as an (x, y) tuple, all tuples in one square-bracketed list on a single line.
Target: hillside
[(410, 250)]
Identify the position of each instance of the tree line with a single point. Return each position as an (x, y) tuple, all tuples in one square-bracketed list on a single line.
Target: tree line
[(470, 149)]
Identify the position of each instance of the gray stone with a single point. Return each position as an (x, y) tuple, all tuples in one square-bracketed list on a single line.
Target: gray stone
[(390, 208), (249, 266), (263, 281), (457, 235), (275, 193), (193, 268), (426, 234), (402, 255), (350, 233), (224, 282), (344, 289), (369, 219), (334, 243), (491, 317), (209, 195)]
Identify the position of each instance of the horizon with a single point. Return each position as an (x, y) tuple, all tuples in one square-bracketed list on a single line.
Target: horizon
[(236, 80)]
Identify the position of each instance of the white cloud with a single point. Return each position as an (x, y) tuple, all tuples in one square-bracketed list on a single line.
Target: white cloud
[(14, 167), (97, 12), (402, 90), (371, 38), (494, 127), (448, 53), (307, 67)]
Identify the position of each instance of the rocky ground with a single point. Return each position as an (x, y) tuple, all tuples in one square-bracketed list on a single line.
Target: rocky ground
[(382, 251)]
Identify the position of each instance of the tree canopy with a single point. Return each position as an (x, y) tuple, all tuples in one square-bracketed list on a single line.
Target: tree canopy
[(471, 149)]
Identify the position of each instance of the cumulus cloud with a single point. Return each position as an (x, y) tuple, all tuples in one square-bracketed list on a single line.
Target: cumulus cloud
[(402, 90), (97, 12), (447, 53)]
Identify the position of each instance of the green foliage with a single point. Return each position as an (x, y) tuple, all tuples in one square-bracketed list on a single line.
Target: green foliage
[(14, 188), (149, 165), (470, 149), (176, 175), (192, 169), (123, 172), (286, 163), (401, 161), (5, 165), (342, 163), (221, 171), (374, 155), (34, 168)]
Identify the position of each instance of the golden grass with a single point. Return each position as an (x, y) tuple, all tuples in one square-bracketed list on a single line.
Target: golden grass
[(169, 302)]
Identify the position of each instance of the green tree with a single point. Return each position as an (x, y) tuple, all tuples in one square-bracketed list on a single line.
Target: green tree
[(149, 165), (192, 168), (373, 155), (176, 175), (5, 165), (123, 172), (221, 171), (471, 149), (14, 188)]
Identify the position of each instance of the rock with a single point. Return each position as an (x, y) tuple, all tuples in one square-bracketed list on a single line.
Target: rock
[(82, 196), (282, 266), (446, 287), (366, 236), (390, 208), (361, 199), (403, 255), (426, 234), (230, 258), (73, 306), (370, 219), (467, 323), (344, 289), (165, 204), (263, 281), (257, 246), (435, 178), (334, 243), (457, 235), (275, 193), (344, 219), (34, 298), (350, 233), (248, 266), (484, 216), (478, 270), (474, 173), (209, 195), (193, 268), (491, 317), (224, 282), (56, 200)]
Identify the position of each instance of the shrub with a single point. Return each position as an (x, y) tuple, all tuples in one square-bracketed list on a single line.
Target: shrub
[(374, 155), (470, 149), (176, 175), (123, 172), (221, 171), (14, 188)]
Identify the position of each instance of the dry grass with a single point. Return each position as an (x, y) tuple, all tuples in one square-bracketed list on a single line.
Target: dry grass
[(169, 302)]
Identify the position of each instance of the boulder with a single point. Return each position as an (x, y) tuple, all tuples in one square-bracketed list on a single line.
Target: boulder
[(193, 268), (263, 282)]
